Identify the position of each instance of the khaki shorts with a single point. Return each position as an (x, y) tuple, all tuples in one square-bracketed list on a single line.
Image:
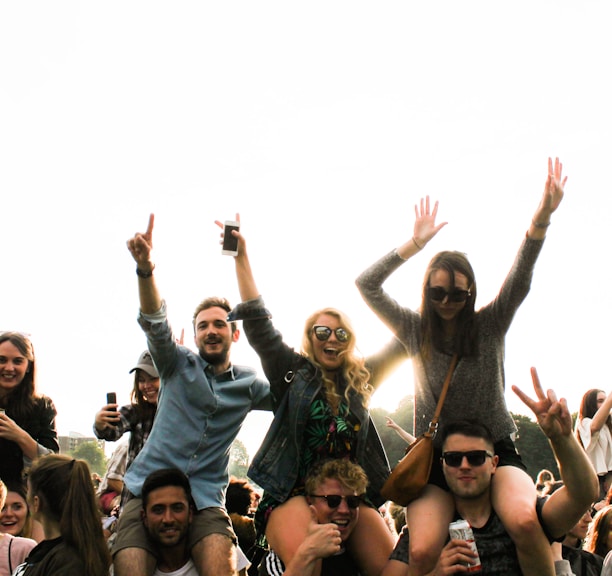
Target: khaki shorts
[(131, 532)]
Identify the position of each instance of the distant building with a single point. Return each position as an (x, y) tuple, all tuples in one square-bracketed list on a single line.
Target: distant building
[(74, 439)]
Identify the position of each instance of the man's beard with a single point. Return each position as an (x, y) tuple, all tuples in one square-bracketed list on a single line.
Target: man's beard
[(215, 358)]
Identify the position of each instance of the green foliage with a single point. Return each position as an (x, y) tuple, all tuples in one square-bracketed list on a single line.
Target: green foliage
[(93, 455), (533, 447), (239, 460), (403, 416), (531, 442)]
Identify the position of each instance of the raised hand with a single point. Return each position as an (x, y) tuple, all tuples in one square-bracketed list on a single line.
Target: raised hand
[(107, 417), (553, 189), (552, 414), (425, 227), (140, 246), (322, 540), (236, 233)]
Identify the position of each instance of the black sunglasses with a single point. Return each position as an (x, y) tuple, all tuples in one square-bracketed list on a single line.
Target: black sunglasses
[(334, 500), (324, 332), (437, 294), (474, 458)]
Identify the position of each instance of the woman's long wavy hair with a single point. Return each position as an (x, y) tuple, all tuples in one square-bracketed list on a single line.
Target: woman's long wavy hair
[(466, 342), (66, 494), (588, 409), (354, 372), (596, 540), (20, 402)]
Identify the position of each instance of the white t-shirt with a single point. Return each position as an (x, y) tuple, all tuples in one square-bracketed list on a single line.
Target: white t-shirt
[(187, 570), (190, 570), (598, 446)]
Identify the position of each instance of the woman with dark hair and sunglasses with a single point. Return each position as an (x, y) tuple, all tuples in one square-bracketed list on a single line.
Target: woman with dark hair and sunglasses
[(27, 419), (447, 324), (320, 398)]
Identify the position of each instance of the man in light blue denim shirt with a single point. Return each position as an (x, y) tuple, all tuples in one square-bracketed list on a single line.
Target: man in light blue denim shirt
[(203, 402)]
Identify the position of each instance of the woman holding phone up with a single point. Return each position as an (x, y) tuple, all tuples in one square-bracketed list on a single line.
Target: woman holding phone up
[(320, 399)]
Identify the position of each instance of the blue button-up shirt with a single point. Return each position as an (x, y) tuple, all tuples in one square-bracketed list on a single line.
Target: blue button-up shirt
[(199, 414)]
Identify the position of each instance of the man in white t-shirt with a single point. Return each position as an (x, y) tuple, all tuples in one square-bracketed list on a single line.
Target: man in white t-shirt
[(166, 514)]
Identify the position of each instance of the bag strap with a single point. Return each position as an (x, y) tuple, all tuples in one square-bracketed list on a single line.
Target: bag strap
[(433, 425)]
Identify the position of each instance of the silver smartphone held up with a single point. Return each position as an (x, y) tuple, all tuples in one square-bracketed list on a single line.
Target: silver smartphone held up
[(230, 242)]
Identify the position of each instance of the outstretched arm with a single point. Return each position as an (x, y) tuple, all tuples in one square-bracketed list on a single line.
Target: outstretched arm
[(580, 486), (140, 247), (400, 431), (425, 229), (244, 274), (551, 198)]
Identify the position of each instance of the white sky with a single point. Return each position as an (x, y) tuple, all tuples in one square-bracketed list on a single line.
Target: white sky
[(322, 123)]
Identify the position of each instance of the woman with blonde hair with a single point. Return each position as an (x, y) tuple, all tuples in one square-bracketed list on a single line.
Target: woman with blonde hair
[(62, 498), (320, 398)]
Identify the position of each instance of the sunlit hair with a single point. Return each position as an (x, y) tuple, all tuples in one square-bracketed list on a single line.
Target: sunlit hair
[(238, 496), (19, 488), (212, 302), (588, 409), (596, 540), (2, 494), (354, 372), (466, 342), (66, 495), (20, 401), (349, 474)]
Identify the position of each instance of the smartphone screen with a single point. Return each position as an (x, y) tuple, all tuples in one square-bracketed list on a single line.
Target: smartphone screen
[(230, 243), (111, 398)]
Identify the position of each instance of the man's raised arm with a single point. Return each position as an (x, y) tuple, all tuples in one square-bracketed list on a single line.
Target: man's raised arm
[(580, 486), (140, 247)]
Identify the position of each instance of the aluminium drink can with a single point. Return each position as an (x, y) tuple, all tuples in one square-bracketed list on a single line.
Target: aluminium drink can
[(461, 530)]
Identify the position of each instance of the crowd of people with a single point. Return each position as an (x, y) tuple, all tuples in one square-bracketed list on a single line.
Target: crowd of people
[(317, 509)]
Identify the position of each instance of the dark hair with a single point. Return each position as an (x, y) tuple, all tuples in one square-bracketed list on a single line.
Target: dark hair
[(163, 478), (213, 302), (465, 343), (596, 540), (20, 402), (65, 491), (238, 496), (145, 410), (588, 409), (469, 428)]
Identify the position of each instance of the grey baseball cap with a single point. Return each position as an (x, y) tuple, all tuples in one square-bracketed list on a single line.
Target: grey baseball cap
[(145, 362)]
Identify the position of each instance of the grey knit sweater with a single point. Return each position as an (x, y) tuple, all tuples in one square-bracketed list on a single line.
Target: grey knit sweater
[(477, 389)]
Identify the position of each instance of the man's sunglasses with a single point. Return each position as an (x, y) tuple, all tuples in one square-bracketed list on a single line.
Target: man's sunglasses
[(334, 500), (474, 458), (437, 294), (324, 332)]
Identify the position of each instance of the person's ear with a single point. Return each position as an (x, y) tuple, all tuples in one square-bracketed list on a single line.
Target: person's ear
[(235, 335), (36, 505), (143, 517)]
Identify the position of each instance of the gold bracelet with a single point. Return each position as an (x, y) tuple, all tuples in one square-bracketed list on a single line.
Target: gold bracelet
[(540, 224), (416, 243)]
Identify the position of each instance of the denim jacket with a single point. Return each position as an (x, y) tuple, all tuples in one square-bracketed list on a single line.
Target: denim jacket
[(294, 383)]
